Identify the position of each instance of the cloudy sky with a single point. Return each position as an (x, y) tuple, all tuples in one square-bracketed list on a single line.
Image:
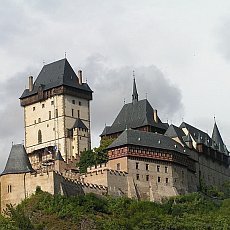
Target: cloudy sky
[(179, 49)]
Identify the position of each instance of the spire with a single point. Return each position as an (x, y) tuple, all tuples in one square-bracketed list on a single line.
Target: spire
[(135, 94), (59, 156), (18, 161), (216, 137)]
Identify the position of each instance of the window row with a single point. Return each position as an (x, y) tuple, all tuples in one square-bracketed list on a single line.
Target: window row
[(158, 167), (56, 115), (52, 103), (147, 178)]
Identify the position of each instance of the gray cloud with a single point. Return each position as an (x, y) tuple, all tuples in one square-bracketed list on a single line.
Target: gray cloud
[(11, 115), (114, 85)]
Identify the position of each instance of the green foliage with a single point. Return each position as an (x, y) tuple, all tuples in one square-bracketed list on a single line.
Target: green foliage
[(44, 211), (94, 157)]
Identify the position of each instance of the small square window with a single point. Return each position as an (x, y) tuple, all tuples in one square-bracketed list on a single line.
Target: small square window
[(43, 105), (52, 102), (138, 177), (39, 120), (73, 102)]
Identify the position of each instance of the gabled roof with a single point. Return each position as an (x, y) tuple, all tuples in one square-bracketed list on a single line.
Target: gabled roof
[(217, 138), (146, 139), (56, 74), (196, 133), (134, 115), (79, 124), (105, 130), (18, 161), (174, 131)]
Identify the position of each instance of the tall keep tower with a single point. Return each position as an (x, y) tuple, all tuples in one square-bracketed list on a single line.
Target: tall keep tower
[(57, 111)]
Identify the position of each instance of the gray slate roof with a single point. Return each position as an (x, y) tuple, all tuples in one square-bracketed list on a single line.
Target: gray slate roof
[(134, 115), (56, 74), (59, 156), (135, 94), (18, 161), (146, 139), (79, 124), (174, 131), (187, 138), (217, 138), (196, 133)]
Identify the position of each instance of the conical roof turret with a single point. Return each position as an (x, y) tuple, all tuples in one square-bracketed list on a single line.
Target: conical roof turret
[(18, 161)]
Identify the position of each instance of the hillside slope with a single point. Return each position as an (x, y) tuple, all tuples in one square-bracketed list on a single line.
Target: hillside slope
[(44, 211)]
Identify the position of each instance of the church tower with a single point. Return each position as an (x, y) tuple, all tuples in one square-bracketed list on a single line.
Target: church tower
[(57, 111)]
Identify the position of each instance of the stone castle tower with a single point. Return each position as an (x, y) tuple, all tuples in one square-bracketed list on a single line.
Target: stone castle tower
[(57, 112)]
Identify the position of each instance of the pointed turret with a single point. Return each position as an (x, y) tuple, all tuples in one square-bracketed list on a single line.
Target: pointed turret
[(135, 94), (18, 161), (59, 157), (216, 137)]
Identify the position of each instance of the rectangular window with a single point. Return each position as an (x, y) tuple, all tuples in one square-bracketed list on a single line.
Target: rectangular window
[(167, 180), (118, 166), (158, 168), (166, 169), (35, 122), (72, 112), (138, 177), (159, 179), (147, 177), (79, 103), (50, 115), (33, 108), (9, 188), (52, 102), (73, 102), (147, 167), (78, 113), (56, 111), (43, 105), (39, 120), (137, 165)]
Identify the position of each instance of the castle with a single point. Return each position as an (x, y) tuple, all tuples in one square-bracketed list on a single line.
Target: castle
[(148, 159)]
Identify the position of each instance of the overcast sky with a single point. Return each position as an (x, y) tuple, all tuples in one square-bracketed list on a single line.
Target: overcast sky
[(179, 49)]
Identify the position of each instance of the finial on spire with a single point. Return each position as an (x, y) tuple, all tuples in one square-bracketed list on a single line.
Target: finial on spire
[(65, 54), (135, 94), (133, 73), (124, 101), (214, 118)]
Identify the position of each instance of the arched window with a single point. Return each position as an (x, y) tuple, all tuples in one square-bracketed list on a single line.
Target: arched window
[(39, 136)]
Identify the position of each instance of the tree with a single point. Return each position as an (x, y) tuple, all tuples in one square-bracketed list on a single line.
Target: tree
[(94, 157)]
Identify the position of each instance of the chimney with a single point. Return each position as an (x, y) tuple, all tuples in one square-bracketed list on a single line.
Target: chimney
[(155, 117), (30, 83), (80, 77)]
